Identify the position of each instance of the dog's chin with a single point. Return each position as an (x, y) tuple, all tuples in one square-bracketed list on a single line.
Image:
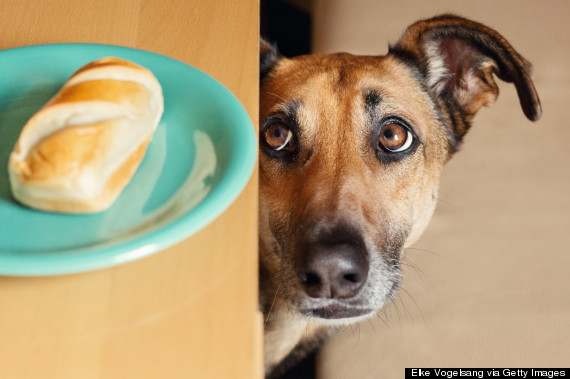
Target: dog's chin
[(337, 314)]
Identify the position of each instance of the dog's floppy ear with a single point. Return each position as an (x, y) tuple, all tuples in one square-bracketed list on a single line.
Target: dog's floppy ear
[(268, 55), (459, 58)]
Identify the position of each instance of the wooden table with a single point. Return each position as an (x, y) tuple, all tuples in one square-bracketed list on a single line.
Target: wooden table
[(189, 311)]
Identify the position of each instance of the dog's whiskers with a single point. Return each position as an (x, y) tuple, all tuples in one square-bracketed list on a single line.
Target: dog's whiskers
[(406, 262), (415, 303), (272, 303), (356, 327), (383, 316), (273, 94), (423, 250), (395, 306), (372, 325), (405, 309), (446, 202)]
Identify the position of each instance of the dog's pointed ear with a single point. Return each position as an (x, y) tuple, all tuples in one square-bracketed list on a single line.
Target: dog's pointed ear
[(459, 58), (268, 56)]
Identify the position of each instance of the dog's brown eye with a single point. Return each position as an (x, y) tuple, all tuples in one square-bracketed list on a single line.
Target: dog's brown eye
[(394, 138), (278, 136)]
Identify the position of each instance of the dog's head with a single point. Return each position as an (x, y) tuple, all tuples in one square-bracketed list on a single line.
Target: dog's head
[(352, 148)]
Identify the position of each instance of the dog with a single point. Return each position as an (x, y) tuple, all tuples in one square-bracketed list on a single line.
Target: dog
[(351, 153)]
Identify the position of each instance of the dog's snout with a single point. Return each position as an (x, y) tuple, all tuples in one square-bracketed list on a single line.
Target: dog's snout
[(332, 269)]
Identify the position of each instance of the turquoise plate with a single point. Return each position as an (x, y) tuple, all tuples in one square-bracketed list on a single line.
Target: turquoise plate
[(200, 158)]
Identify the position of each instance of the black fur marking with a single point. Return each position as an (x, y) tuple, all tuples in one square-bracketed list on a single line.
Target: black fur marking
[(305, 369), (457, 117), (409, 59), (299, 352), (291, 110), (371, 100), (268, 57)]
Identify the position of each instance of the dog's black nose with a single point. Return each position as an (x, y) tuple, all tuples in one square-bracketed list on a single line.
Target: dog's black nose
[(332, 270)]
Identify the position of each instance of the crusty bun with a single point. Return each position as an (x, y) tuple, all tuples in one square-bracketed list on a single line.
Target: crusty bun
[(78, 152)]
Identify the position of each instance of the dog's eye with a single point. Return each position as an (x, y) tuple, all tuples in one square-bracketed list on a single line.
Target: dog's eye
[(394, 138), (278, 136)]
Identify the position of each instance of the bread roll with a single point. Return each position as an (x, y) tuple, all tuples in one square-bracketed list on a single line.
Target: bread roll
[(78, 152)]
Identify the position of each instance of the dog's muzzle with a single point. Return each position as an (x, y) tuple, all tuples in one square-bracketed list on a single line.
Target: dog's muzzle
[(332, 269)]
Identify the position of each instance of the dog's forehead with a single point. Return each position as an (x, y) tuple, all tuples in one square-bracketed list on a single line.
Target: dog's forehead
[(338, 88), (342, 73)]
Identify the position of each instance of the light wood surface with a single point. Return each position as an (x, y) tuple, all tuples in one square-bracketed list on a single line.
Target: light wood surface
[(189, 311)]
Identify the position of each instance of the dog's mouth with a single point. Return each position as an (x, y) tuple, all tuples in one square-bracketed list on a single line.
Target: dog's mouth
[(336, 312)]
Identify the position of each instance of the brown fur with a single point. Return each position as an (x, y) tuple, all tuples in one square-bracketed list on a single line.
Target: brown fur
[(336, 178)]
